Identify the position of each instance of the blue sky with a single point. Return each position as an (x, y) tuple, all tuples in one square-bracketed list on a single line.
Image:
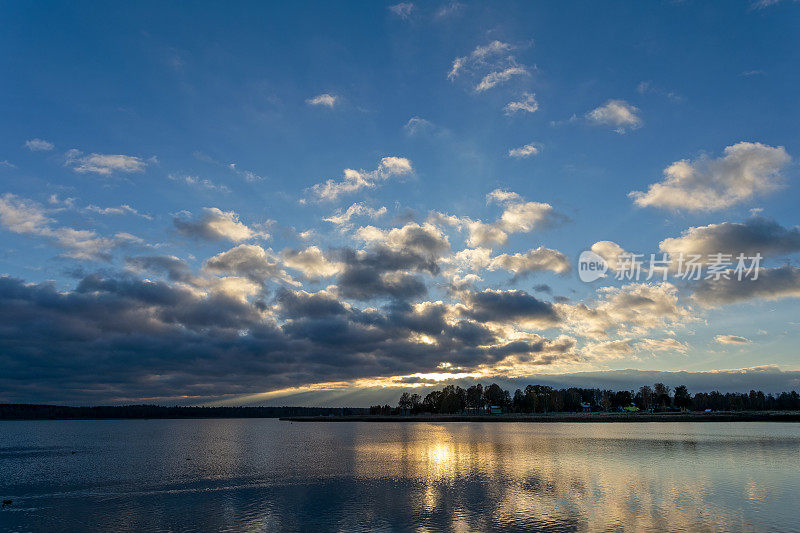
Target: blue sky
[(164, 206)]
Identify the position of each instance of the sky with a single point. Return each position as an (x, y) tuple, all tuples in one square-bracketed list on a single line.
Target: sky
[(331, 203)]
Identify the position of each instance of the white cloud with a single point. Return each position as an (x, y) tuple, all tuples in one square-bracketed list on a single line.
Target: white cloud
[(527, 104), (402, 10), (610, 251), (200, 183), (661, 345), (524, 151), (25, 217), (502, 196), (355, 180), (246, 174), (745, 170), (449, 10), (416, 125), (731, 339), (500, 76), (618, 114), (632, 309), (425, 239), (326, 100), (311, 262), (216, 224), (123, 209), (250, 261), (518, 216), (535, 260), (342, 218), (478, 57), (39, 145), (103, 164)]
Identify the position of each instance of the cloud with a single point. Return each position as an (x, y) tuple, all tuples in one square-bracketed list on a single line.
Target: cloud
[(509, 306), (200, 183), (493, 64), (731, 339), (449, 9), (630, 348), (417, 125), (501, 196), (402, 10), (744, 171), (661, 345), (425, 239), (478, 57), (618, 114), (103, 164), (500, 76), (342, 218), (249, 261), (610, 251), (39, 145), (175, 268), (24, 217), (756, 235), (519, 216), (248, 175), (123, 209), (647, 87), (381, 271), (536, 260), (524, 151), (355, 180), (527, 104), (763, 4), (216, 224), (326, 100), (311, 262), (771, 284), (632, 309)]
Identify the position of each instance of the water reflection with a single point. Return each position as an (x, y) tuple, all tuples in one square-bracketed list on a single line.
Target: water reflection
[(266, 475)]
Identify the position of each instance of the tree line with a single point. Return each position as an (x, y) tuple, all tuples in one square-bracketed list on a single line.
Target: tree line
[(476, 399)]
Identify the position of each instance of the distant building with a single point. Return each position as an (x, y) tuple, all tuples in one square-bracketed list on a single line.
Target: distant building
[(495, 410), (586, 407)]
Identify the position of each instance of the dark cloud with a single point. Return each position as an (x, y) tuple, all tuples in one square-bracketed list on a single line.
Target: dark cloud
[(175, 268), (502, 306), (121, 339), (771, 284), (756, 235), (382, 272), (293, 304)]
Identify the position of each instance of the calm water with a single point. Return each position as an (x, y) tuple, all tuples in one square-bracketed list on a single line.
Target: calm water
[(246, 475)]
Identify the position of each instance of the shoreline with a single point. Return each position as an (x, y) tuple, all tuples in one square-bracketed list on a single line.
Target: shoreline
[(738, 416)]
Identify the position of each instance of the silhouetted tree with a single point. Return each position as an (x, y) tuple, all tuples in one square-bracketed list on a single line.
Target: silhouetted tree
[(475, 399), (661, 395), (682, 398), (405, 402)]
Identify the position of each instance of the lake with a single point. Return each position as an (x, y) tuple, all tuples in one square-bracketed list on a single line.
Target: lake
[(264, 474)]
